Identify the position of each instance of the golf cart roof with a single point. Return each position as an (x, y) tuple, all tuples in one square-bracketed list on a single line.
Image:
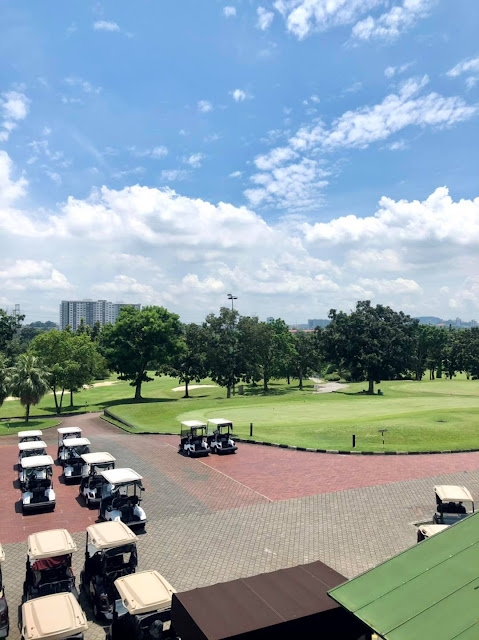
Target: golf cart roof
[(29, 434), (76, 442), (63, 430), (98, 457), (52, 617), (31, 445), (452, 493), (429, 530), (220, 421), (37, 461), (108, 535), (144, 592), (50, 544), (121, 476), (193, 423), (427, 591)]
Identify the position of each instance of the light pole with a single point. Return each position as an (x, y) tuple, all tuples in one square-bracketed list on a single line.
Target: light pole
[(232, 298)]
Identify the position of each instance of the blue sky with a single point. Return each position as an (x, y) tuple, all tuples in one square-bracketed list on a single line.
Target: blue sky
[(340, 136)]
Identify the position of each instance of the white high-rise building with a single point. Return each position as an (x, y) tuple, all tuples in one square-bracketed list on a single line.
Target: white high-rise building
[(92, 311)]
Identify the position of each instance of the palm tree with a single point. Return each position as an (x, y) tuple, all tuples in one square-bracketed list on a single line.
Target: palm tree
[(4, 382), (28, 381)]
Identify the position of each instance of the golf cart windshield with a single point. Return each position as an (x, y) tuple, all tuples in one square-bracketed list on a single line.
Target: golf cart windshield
[(121, 558), (77, 452), (68, 432), (454, 499), (52, 575), (38, 474), (128, 490), (27, 436), (194, 432)]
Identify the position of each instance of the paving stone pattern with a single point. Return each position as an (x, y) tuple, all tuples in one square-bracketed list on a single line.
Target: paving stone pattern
[(205, 526)]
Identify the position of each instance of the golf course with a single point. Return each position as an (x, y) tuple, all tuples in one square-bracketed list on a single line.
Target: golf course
[(417, 416)]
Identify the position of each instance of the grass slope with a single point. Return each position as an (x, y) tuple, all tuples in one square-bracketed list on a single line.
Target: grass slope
[(13, 426)]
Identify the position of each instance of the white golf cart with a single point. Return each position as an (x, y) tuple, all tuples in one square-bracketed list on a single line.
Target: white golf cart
[(121, 497), (110, 553), (49, 564), (30, 448), (27, 436), (36, 483), (71, 457), (146, 596), (453, 503), (4, 618), (91, 481), (53, 617), (65, 433), (426, 531), (193, 441), (220, 436)]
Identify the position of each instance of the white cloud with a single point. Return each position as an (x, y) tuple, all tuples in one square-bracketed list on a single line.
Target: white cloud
[(236, 174), (14, 108), (105, 25), (469, 65), (20, 275), (274, 158), (390, 72), (54, 176), (239, 95), (204, 106), (83, 85), (391, 24), (174, 175), (155, 152), (129, 289), (265, 18), (195, 160), (381, 286), (229, 12)]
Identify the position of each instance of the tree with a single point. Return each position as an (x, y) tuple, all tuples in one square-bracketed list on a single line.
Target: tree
[(190, 363), (9, 327), (54, 349), (4, 380), (305, 355), (141, 340), (272, 349), (374, 343), (80, 368), (223, 355), (454, 353), (96, 330), (28, 381)]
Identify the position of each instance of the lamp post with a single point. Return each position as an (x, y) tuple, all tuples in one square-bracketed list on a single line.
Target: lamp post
[(232, 298)]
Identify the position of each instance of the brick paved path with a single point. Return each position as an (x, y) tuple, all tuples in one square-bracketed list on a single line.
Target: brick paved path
[(220, 518)]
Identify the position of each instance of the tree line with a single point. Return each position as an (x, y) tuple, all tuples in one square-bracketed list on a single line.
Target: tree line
[(371, 343)]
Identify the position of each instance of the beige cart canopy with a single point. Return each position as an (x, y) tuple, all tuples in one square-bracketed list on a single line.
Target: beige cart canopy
[(193, 423), (53, 617), (219, 422), (453, 493), (76, 442), (144, 592), (429, 530), (50, 544), (29, 434), (64, 430), (108, 535), (100, 457), (121, 476), (31, 445), (33, 462)]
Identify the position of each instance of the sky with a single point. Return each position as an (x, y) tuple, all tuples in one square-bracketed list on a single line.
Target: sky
[(300, 154)]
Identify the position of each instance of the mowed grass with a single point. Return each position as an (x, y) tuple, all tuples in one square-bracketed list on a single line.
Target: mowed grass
[(419, 416), (14, 426)]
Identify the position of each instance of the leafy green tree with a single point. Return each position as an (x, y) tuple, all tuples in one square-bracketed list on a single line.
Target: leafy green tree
[(29, 381), (9, 328), (272, 349), (454, 354), (190, 363), (54, 350), (4, 379), (81, 327), (80, 368), (96, 330), (139, 341), (223, 353), (305, 358), (437, 340), (373, 343)]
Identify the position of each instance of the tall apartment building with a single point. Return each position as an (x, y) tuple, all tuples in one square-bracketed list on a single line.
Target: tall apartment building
[(102, 311)]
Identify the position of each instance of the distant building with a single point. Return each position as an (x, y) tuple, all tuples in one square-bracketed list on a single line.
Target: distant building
[(92, 311), (269, 320), (318, 322)]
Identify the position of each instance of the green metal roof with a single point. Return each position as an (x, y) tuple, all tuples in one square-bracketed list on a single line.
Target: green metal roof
[(430, 591)]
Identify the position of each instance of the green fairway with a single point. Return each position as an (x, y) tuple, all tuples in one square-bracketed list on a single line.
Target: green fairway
[(13, 426), (419, 416)]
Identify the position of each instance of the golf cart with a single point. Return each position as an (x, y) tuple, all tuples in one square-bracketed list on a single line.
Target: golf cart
[(65, 433), (36, 483), (110, 553), (30, 448), (28, 436), (71, 457), (49, 564), (426, 531), (193, 439), (146, 596), (121, 497), (453, 503), (91, 481), (52, 617), (220, 436), (4, 620)]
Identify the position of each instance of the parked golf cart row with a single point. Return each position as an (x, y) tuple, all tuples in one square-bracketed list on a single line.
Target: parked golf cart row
[(35, 472), (199, 438), (453, 504), (136, 604)]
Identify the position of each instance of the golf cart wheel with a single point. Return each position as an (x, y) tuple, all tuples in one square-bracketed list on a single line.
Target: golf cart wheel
[(189, 453)]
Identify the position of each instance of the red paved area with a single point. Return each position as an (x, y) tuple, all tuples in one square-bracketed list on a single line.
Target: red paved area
[(281, 474)]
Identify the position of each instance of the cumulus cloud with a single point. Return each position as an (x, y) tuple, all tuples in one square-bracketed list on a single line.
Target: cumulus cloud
[(195, 160), (204, 106), (389, 25), (14, 108), (265, 18), (20, 275), (239, 95), (83, 85), (105, 25), (392, 71), (154, 152), (469, 66), (174, 175), (229, 12)]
